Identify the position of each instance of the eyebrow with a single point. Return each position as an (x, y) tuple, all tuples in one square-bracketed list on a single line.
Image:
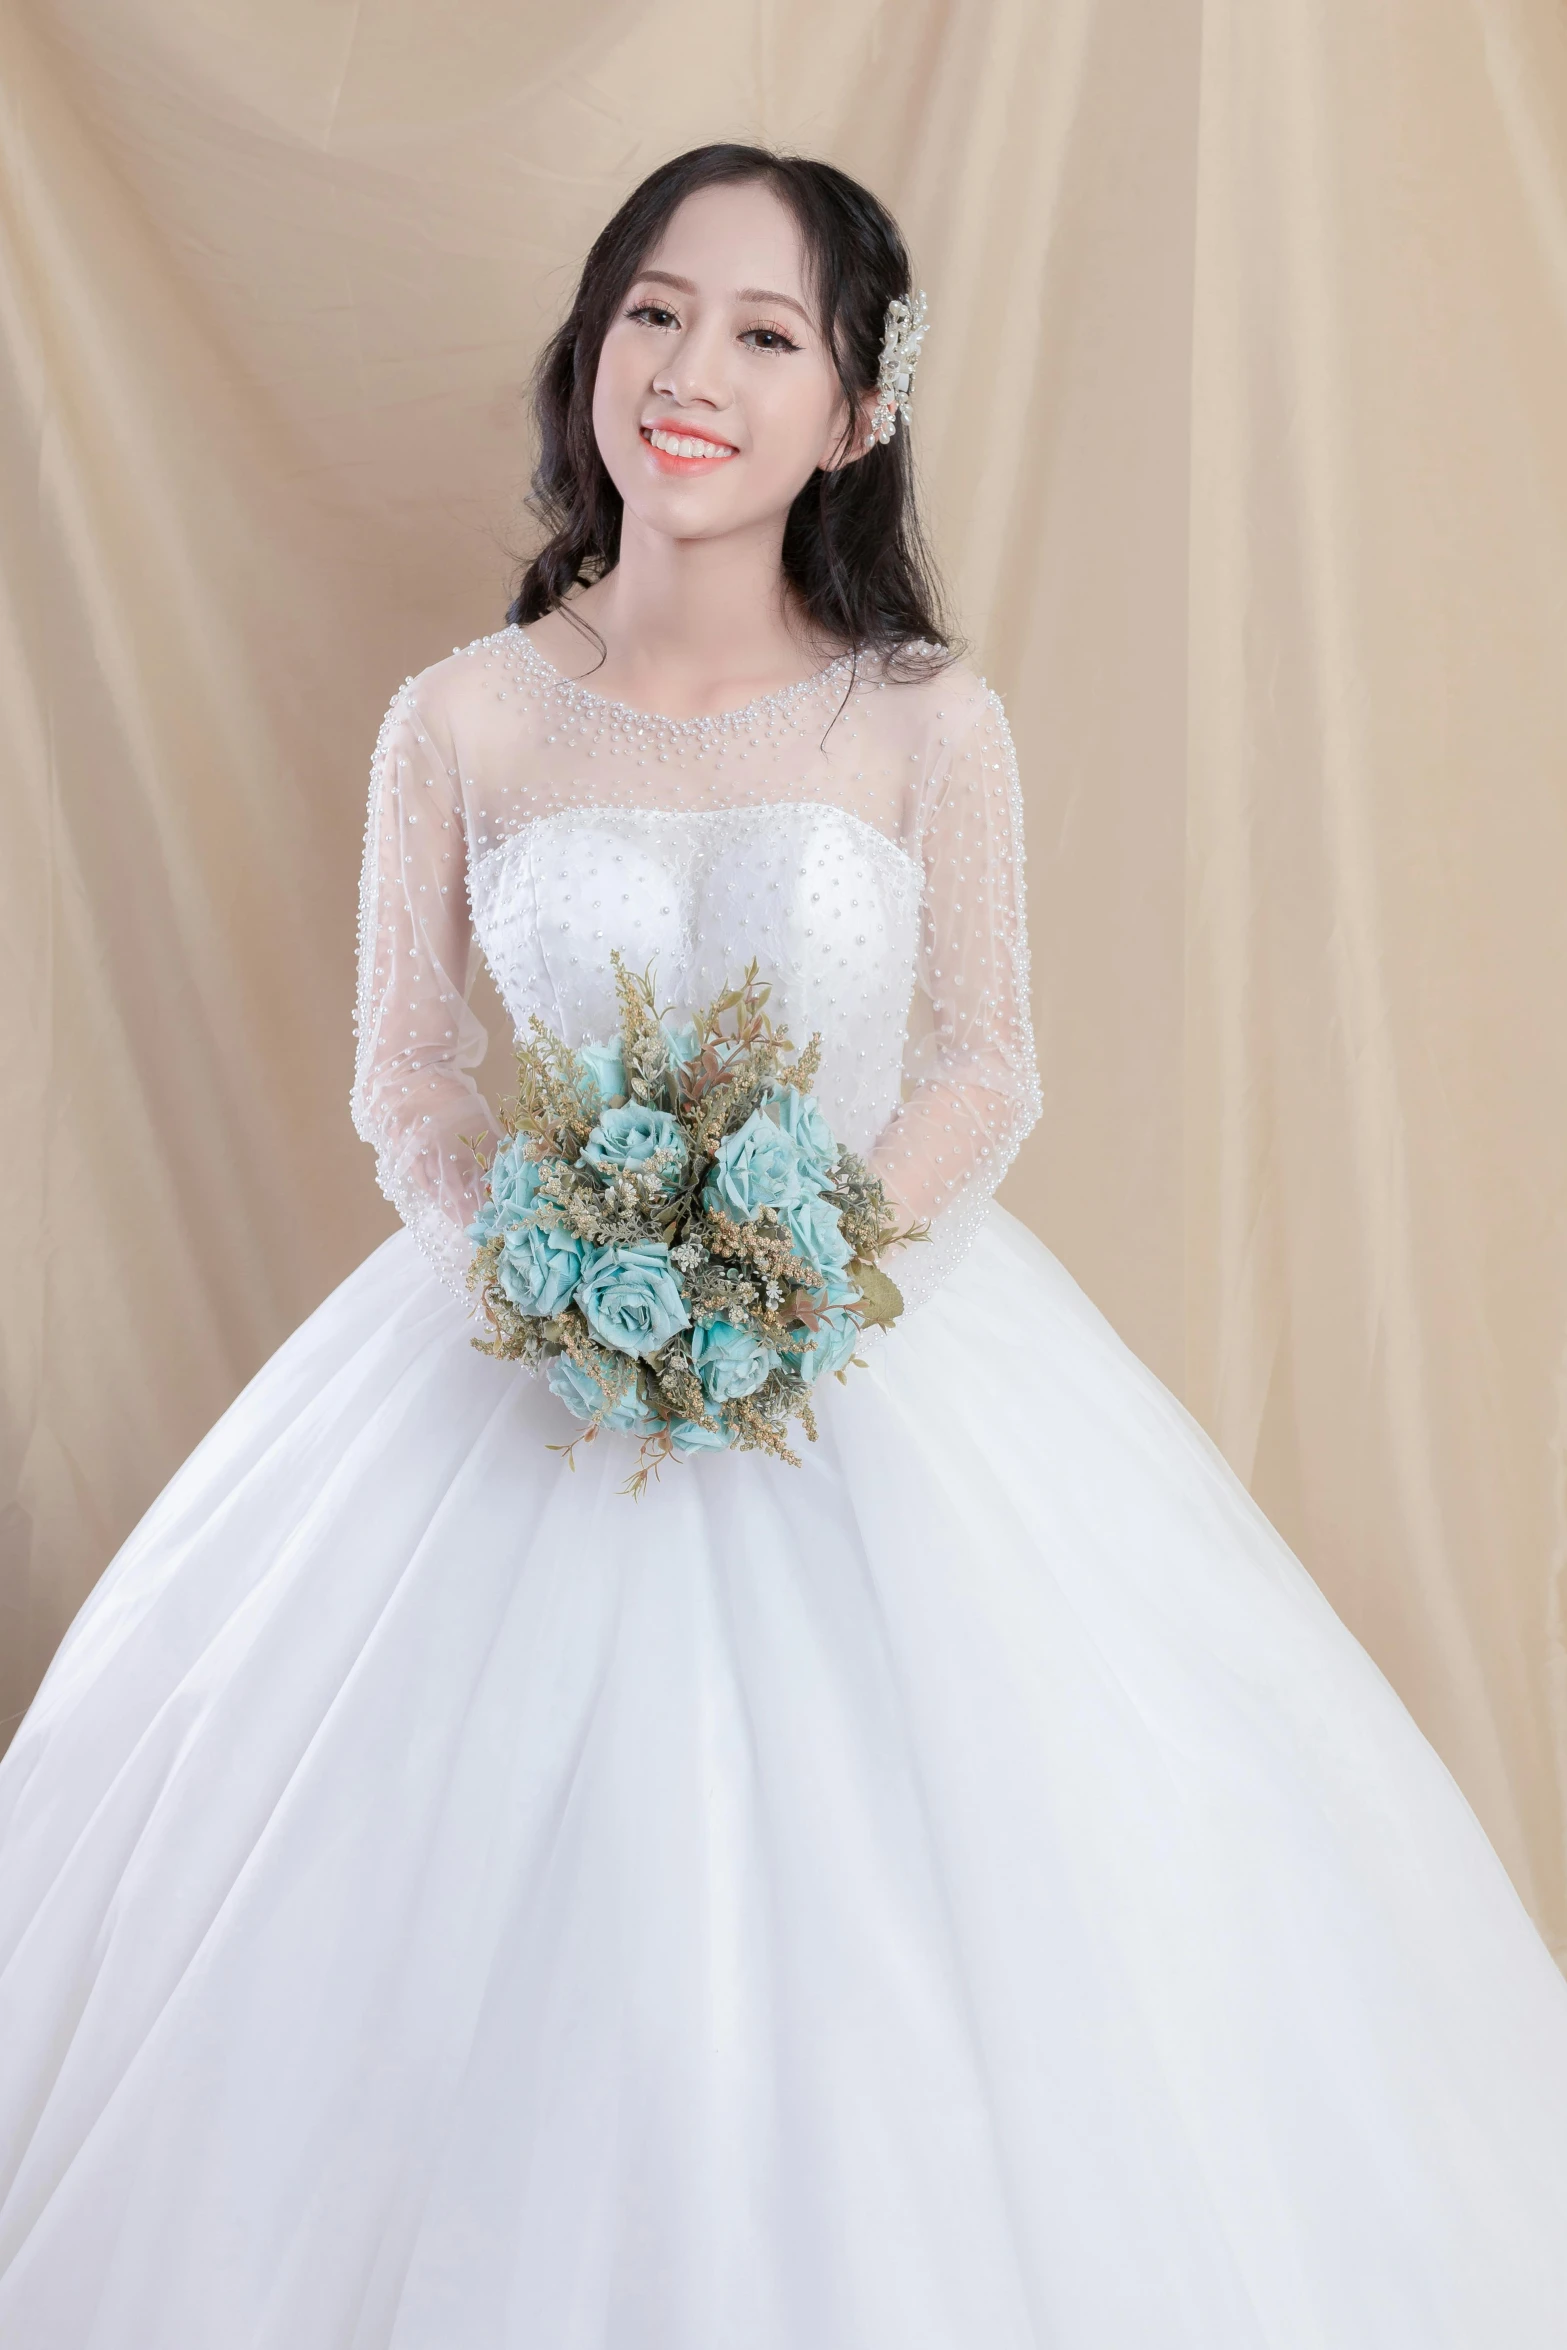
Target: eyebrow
[(683, 285)]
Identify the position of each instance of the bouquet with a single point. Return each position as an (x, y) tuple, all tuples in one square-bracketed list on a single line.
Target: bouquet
[(672, 1233)]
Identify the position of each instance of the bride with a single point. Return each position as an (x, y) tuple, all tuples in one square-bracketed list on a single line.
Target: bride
[(967, 1892)]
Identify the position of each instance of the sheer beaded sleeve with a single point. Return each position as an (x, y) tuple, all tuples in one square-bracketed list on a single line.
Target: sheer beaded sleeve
[(414, 1100), (974, 1087)]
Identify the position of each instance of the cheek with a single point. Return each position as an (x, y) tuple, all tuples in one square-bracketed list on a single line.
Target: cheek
[(618, 389), (795, 416)]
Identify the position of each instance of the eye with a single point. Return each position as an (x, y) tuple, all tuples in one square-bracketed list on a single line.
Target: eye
[(769, 338), (653, 314)]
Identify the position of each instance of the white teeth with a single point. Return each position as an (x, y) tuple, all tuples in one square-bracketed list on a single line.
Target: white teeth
[(684, 444)]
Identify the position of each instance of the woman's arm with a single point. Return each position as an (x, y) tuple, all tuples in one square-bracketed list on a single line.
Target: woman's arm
[(976, 1089), (413, 1098)]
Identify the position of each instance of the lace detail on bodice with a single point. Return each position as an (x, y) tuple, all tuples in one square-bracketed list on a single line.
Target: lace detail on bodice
[(859, 837)]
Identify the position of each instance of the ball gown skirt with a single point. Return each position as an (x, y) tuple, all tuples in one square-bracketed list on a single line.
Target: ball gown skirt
[(967, 1893)]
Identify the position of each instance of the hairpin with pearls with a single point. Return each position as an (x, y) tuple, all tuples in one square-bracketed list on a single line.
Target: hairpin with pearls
[(900, 348)]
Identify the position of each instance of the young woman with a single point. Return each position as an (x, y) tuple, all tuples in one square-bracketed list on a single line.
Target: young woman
[(967, 1892)]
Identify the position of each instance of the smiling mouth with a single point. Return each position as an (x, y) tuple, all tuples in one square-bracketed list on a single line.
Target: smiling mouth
[(681, 452)]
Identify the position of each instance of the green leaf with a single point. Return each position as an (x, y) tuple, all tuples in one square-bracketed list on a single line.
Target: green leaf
[(883, 1299)]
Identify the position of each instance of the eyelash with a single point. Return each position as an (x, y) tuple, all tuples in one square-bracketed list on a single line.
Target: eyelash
[(652, 313)]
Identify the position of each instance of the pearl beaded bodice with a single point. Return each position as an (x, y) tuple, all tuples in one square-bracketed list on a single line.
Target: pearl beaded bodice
[(827, 906), (858, 837)]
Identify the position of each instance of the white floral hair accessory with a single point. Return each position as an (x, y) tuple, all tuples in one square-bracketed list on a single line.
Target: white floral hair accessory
[(900, 347)]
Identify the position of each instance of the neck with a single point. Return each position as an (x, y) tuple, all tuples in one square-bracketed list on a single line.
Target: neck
[(694, 625)]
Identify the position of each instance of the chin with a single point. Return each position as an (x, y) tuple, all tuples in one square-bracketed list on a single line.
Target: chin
[(696, 509)]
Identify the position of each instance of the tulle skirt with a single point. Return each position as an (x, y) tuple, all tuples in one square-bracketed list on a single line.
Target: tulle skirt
[(966, 1893)]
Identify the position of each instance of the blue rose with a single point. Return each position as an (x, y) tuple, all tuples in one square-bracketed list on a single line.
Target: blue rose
[(814, 1231), (688, 1436), (683, 1042), (582, 1394), (514, 1182), (729, 1361), (629, 1137), (540, 1267), (631, 1298), (603, 1071), (800, 1117), (758, 1167), (827, 1348)]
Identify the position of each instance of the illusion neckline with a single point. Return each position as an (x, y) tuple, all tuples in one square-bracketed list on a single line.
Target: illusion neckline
[(726, 721), (612, 812)]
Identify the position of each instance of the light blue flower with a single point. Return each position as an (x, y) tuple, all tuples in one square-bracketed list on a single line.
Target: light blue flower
[(514, 1182), (629, 1137), (540, 1267), (758, 1167), (730, 1362), (686, 1045), (631, 1298), (582, 1395), (683, 1042), (688, 1436), (815, 1232), (829, 1346), (800, 1116), (603, 1071)]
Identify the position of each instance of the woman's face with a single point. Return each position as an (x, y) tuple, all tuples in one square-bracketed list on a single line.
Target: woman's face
[(716, 398)]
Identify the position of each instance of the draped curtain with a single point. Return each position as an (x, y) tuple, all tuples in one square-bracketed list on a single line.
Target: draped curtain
[(1241, 422)]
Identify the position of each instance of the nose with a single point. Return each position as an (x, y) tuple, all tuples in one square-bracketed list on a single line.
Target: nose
[(693, 370)]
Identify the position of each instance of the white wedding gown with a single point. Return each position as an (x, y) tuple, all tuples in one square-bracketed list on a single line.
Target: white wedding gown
[(966, 1893)]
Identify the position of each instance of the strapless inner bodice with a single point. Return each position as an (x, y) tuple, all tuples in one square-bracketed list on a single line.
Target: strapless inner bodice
[(825, 904)]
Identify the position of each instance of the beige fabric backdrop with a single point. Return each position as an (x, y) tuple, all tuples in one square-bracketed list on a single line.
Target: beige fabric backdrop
[(1243, 424)]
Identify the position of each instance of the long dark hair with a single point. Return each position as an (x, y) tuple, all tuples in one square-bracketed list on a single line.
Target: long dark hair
[(853, 550)]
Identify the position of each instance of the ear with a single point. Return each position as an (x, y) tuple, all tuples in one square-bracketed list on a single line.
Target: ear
[(850, 441)]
